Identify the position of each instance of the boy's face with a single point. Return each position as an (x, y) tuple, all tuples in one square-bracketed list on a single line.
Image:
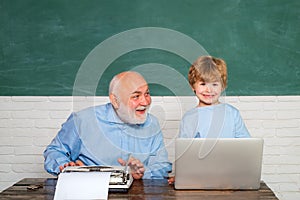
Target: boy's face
[(208, 93)]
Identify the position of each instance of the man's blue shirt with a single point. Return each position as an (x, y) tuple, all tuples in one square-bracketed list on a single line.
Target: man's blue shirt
[(96, 136)]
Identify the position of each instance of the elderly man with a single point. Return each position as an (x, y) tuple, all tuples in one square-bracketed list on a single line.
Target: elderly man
[(110, 134)]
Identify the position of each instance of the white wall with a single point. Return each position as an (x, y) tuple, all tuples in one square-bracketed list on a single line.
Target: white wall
[(27, 125)]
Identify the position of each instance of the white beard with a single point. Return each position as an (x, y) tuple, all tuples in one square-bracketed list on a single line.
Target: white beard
[(128, 116)]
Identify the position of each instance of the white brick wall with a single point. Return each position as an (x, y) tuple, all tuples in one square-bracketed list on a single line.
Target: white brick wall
[(27, 125)]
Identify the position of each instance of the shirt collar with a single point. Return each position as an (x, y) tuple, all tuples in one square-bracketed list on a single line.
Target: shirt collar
[(112, 115)]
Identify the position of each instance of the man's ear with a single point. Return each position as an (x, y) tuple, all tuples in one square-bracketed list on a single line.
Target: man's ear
[(114, 101)]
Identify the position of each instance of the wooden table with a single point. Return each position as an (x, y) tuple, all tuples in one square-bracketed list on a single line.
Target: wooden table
[(140, 189)]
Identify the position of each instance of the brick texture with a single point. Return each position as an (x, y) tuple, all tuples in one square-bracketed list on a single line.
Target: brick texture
[(28, 124)]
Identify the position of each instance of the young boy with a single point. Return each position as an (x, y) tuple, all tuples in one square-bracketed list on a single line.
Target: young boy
[(211, 118)]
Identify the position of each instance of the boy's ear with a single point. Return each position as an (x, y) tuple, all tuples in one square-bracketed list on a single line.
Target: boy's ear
[(114, 101), (223, 88), (193, 89)]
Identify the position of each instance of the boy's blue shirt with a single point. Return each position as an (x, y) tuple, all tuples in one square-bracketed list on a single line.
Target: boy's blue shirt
[(217, 121)]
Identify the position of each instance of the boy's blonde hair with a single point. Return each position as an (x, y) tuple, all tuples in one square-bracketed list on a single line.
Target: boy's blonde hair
[(208, 69)]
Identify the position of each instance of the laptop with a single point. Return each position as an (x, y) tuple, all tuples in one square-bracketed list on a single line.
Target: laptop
[(218, 163)]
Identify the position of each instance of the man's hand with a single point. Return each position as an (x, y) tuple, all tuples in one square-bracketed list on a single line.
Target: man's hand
[(136, 167), (76, 163)]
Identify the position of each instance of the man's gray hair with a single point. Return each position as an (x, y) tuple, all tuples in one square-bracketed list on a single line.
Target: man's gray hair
[(116, 81)]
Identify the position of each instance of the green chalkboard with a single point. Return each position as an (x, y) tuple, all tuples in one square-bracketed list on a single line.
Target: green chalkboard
[(74, 47)]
